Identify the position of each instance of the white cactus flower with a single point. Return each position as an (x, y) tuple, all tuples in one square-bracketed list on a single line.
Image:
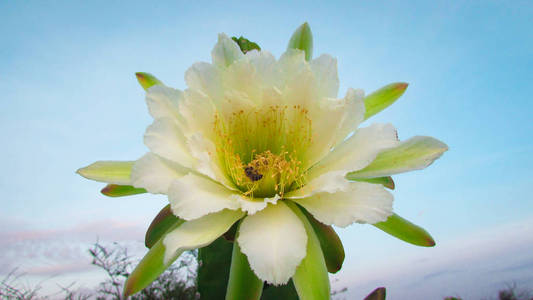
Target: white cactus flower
[(251, 137)]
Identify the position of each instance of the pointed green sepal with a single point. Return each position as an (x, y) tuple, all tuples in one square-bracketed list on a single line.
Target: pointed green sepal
[(406, 231), (311, 276), (330, 243), (302, 39), (147, 80), (116, 172), (378, 294), (245, 44), (164, 220), (385, 181), (116, 190), (150, 267), (382, 98), (243, 283), (415, 153)]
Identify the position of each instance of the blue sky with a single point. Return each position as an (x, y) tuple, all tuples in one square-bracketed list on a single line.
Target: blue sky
[(69, 97)]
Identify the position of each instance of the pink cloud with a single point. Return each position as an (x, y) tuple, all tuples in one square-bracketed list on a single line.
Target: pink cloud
[(52, 252)]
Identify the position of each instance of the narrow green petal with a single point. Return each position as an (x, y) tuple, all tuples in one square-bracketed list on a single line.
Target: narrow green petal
[(406, 231), (164, 220), (147, 80), (302, 39), (413, 154), (377, 294), (150, 267), (243, 283), (382, 98), (385, 181), (117, 172), (311, 277), (115, 190), (330, 243)]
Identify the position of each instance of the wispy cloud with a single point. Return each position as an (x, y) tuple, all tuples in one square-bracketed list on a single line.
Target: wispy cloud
[(61, 251)]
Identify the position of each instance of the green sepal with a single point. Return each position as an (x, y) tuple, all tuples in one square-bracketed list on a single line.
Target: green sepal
[(377, 294), (302, 39), (406, 231), (415, 153), (382, 98), (147, 80), (311, 276), (243, 283), (116, 190), (330, 243), (214, 263), (150, 267), (109, 171), (160, 225), (385, 181), (245, 44)]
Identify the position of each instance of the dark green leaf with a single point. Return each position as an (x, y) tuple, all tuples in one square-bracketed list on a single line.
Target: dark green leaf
[(164, 220), (377, 294), (406, 231), (245, 44), (285, 292), (213, 270), (115, 190)]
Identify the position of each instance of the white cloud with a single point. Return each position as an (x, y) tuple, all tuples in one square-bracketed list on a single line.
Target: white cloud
[(473, 267)]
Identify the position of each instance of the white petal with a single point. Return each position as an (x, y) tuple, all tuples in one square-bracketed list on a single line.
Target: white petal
[(251, 206), (413, 154), (274, 240), (163, 102), (330, 182), (198, 113), (357, 151), (325, 69), (354, 114), (264, 64), (327, 117), (199, 233), (207, 162), (204, 77), (193, 196), (225, 52), (362, 203), (166, 139), (291, 64), (155, 174)]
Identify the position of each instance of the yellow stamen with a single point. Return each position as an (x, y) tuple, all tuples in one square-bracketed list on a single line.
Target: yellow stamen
[(262, 150)]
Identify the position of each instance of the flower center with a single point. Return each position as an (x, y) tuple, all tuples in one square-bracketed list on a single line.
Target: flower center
[(263, 150)]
